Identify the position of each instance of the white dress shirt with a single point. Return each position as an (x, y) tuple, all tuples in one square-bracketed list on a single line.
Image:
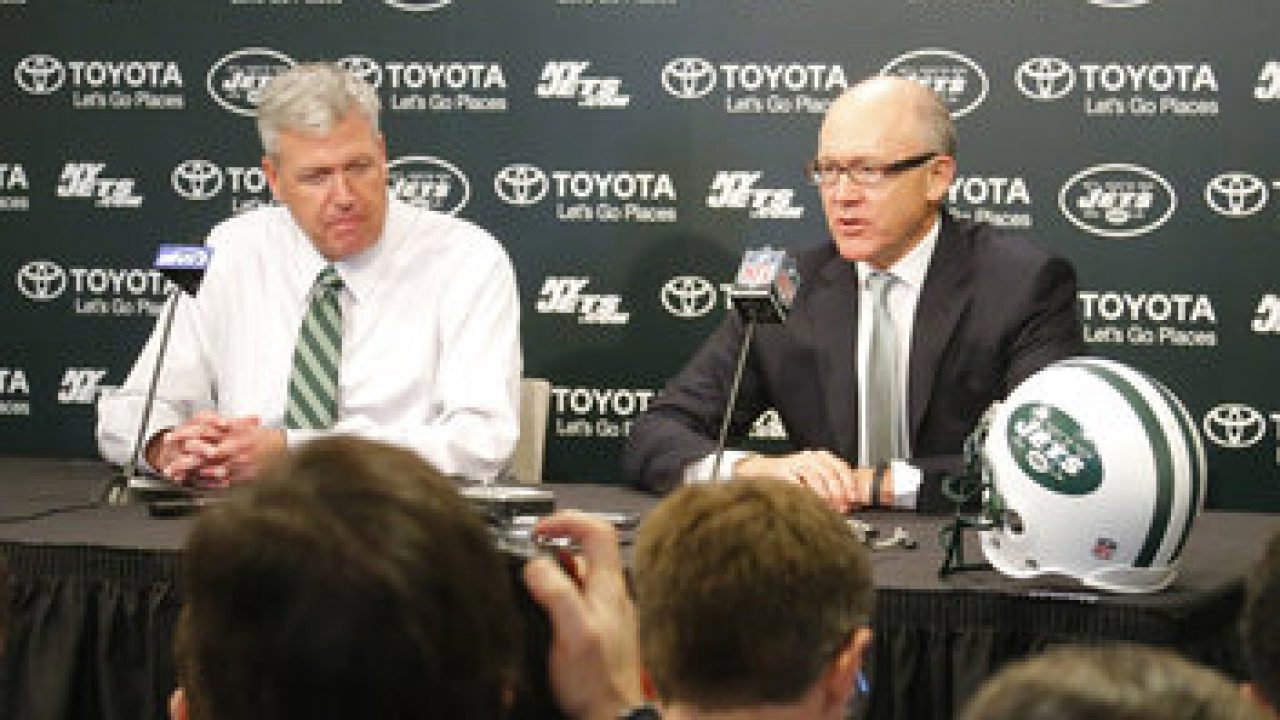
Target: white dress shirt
[(430, 324), (904, 295)]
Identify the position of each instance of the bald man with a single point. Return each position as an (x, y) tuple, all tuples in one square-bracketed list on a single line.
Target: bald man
[(906, 326)]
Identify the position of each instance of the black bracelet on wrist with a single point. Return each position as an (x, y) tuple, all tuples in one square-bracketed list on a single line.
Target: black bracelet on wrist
[(877, 478)]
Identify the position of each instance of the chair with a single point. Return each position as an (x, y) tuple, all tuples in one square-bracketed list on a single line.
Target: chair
[(535, 402)]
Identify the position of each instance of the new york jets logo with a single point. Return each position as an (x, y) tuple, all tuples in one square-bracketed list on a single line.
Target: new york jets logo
[(1053, 450)]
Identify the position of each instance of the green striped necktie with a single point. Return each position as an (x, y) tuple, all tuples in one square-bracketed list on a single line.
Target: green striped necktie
[(313, 383)]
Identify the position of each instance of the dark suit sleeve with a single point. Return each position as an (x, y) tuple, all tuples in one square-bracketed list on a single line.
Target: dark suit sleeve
[(1051, 330), (682, 423)]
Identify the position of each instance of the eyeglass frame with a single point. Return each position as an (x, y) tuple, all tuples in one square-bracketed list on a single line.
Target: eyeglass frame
[(878, 173)]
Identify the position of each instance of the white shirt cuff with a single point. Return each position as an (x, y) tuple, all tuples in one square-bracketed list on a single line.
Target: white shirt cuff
[(699, 471), (906, 484)]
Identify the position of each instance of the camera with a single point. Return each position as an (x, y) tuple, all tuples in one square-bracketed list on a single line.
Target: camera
[(533, 697)]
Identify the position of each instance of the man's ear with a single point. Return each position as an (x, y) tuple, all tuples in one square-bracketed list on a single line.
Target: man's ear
[(272, 174), (843, 674), (178, 705), (942, 172)]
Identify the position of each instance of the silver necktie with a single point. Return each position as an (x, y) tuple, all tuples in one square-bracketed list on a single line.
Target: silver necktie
[(882, 375)]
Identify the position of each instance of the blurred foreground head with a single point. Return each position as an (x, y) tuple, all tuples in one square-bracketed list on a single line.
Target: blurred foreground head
[(751, 593), (352, 581), (1123, 682), (1261, 627)]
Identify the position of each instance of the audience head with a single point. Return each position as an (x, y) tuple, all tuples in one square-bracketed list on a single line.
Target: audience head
[(1261, 628), (752, 593), (351, 581), (1119, 682)]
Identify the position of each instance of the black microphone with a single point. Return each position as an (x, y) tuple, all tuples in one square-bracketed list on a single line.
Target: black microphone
[(765, 286), (762, 293), (184, 266)]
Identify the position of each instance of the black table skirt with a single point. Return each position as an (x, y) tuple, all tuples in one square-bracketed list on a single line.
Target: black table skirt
[(93, 633), (95, 599)]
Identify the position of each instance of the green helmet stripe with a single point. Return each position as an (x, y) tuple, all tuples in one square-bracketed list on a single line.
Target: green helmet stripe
[(1160, 451), (1198, 480)]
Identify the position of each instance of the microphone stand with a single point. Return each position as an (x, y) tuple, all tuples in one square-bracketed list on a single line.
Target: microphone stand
[(119, 492), (733, 398), (762, 293)]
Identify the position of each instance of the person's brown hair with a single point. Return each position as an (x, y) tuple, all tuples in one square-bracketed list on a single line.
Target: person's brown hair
[(1122, 682), (351, 581), (745, 592), (1260, 624)]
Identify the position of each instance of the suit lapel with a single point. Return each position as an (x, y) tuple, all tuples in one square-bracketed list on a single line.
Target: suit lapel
[(943, 299), (834, 314)]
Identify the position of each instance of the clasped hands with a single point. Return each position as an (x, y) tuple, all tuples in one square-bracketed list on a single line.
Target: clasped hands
[(841, 485), (209, 450)]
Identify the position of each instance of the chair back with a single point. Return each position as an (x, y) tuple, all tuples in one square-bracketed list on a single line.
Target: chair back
[(535, 405)]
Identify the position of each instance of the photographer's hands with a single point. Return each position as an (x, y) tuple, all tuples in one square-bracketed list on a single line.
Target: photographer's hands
[(595, 660)]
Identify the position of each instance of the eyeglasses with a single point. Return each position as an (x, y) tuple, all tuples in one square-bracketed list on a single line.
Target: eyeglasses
[(827, 175)]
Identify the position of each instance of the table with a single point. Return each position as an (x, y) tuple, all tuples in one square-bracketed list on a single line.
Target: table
[(95, 600)]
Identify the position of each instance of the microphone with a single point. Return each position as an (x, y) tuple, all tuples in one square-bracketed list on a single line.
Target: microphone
[(762, 293), (765, 286), (184, 266)]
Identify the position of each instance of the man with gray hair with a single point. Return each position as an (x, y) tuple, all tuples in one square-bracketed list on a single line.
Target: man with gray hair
[(342, 309)]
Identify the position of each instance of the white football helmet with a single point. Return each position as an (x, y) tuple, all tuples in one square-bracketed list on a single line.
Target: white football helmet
[(1095, 471)]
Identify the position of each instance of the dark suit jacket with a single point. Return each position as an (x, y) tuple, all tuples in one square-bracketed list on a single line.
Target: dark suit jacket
[(994, 308)]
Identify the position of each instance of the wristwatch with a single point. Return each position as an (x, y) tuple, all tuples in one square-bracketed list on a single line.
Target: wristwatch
[(643, 711), (877, 478)]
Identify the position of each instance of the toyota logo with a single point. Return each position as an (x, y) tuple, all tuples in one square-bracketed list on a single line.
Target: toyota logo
[(689, 78), (197, 179), (42, 280), (1236, 194), (688, 296), (40, 74), (365, 68), (521, 184), (1234, 425), (1045, 78)]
